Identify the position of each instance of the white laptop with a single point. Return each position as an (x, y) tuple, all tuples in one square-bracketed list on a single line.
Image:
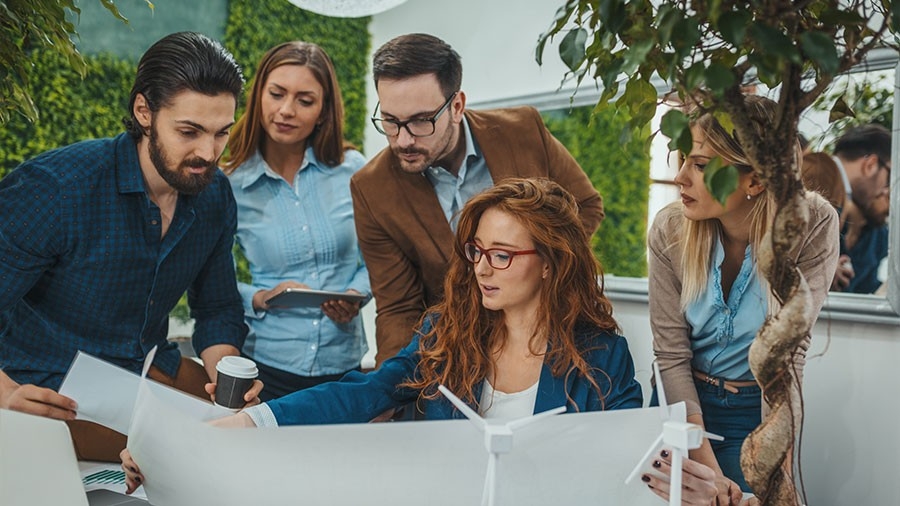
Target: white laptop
[(38, 466)]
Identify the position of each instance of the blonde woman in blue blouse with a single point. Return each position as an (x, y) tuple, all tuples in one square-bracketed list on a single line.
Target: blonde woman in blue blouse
[(290, 171), (708, 299)]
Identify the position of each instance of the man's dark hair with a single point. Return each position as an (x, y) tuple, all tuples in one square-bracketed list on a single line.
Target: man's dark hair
[(418, 54), (863, 140), (178, 62)]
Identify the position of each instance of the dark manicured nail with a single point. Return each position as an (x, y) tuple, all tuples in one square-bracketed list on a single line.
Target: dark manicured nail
[(657, 464), (665, 454), (645, 478)]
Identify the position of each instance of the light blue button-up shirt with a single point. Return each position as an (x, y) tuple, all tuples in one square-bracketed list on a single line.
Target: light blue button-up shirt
[(303, 233), (472, 178), (721, 333)]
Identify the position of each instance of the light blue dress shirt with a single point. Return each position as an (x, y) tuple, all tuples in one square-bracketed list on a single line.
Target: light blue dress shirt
[(303, 233), (473, 177), (721, 333)]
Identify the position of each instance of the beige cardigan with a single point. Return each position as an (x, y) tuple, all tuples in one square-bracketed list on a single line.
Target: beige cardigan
[(816, 257)]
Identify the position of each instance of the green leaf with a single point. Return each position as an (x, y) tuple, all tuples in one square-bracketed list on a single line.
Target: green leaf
[(571, 49), (693, 76), (821, 49), (721, 180), (676, 126), (640, 100), (840, 110), (718, 78), (636, 55), (773, 43), (724, 121), (895, 16), (666, 17), (733, 26), (559, 20), (688, 31)]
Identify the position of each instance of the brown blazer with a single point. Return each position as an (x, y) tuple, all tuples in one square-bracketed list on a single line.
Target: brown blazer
[(404, 236)]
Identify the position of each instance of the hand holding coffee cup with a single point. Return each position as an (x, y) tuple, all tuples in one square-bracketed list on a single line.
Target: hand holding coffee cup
[(235, 377)]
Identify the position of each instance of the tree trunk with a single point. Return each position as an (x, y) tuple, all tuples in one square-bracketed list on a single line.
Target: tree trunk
[(767, 454)]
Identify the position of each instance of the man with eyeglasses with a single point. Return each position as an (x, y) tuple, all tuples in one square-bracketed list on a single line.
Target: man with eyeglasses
[(863, 155), (439, 156)]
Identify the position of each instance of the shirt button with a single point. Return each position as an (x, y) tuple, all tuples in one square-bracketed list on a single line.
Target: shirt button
[(312, 347), (314, 275), (296, 203), (315, 324), (153, 222), (304, 228), (727, 311)]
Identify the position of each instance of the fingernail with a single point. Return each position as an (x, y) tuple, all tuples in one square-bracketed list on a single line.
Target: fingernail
[(657, 464), (645, 478), (665, 454)]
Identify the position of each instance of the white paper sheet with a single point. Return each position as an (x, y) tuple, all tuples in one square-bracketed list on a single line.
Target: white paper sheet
[(106, 393), (567, 459), (37, 462)]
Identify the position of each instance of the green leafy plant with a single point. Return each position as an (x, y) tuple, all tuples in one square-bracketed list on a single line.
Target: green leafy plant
[(709, 53), (26, 27), (619, 174)]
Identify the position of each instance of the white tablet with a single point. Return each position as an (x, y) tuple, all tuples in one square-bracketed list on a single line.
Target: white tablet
[(300, 297)]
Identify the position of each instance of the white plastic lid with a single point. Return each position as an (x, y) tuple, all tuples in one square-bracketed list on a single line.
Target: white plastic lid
[(237, 367)]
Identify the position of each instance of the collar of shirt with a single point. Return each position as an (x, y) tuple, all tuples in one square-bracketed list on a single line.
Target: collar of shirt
[(129, 176), (721, 332), (256, 167), (843, 173), (473, 177)]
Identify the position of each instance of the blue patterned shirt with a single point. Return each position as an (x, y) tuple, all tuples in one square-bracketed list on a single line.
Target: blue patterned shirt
[(722, 332), (83, 265), (303, 233)]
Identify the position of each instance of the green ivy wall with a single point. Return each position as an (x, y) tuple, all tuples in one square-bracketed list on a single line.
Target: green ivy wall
[(620, 172), (72, 110)]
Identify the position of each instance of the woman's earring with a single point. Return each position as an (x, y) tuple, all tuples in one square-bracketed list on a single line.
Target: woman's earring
[(749, 197)]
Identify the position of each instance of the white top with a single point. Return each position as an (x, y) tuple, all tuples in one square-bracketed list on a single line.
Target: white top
[(497, 404)]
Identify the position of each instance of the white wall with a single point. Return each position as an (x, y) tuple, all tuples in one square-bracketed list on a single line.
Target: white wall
[(850, 451)]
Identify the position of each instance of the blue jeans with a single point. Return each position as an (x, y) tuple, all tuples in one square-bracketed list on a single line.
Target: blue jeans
[(732, 416)]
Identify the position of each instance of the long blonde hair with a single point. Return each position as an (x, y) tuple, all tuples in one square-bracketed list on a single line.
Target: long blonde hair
[(699, 236)]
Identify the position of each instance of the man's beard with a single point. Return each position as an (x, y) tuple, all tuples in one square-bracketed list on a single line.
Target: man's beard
[(179, 178), (428, 158)]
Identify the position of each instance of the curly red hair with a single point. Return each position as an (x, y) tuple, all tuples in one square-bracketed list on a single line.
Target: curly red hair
[(456, 352)]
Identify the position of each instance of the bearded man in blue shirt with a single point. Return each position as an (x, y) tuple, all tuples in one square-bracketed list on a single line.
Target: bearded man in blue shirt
[(99, 240)]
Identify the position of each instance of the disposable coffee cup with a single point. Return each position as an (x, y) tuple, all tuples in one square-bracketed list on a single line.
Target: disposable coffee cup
[(234, 377)]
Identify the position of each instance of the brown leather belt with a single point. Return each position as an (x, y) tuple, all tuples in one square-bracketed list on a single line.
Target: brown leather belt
[(728, 385)]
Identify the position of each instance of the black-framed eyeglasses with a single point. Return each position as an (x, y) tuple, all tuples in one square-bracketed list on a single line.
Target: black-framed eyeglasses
[(497, 258), (416, 127)]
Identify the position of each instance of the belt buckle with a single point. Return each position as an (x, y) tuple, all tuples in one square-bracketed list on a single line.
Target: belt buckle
[(712, 381)]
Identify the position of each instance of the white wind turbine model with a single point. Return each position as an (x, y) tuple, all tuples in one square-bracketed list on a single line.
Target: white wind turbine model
[(498, 439), (680, 436)]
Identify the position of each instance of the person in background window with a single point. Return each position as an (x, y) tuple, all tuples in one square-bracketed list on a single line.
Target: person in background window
[(523, 327), (290, 169), (707, 298), (863, 155), (821, 174)]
